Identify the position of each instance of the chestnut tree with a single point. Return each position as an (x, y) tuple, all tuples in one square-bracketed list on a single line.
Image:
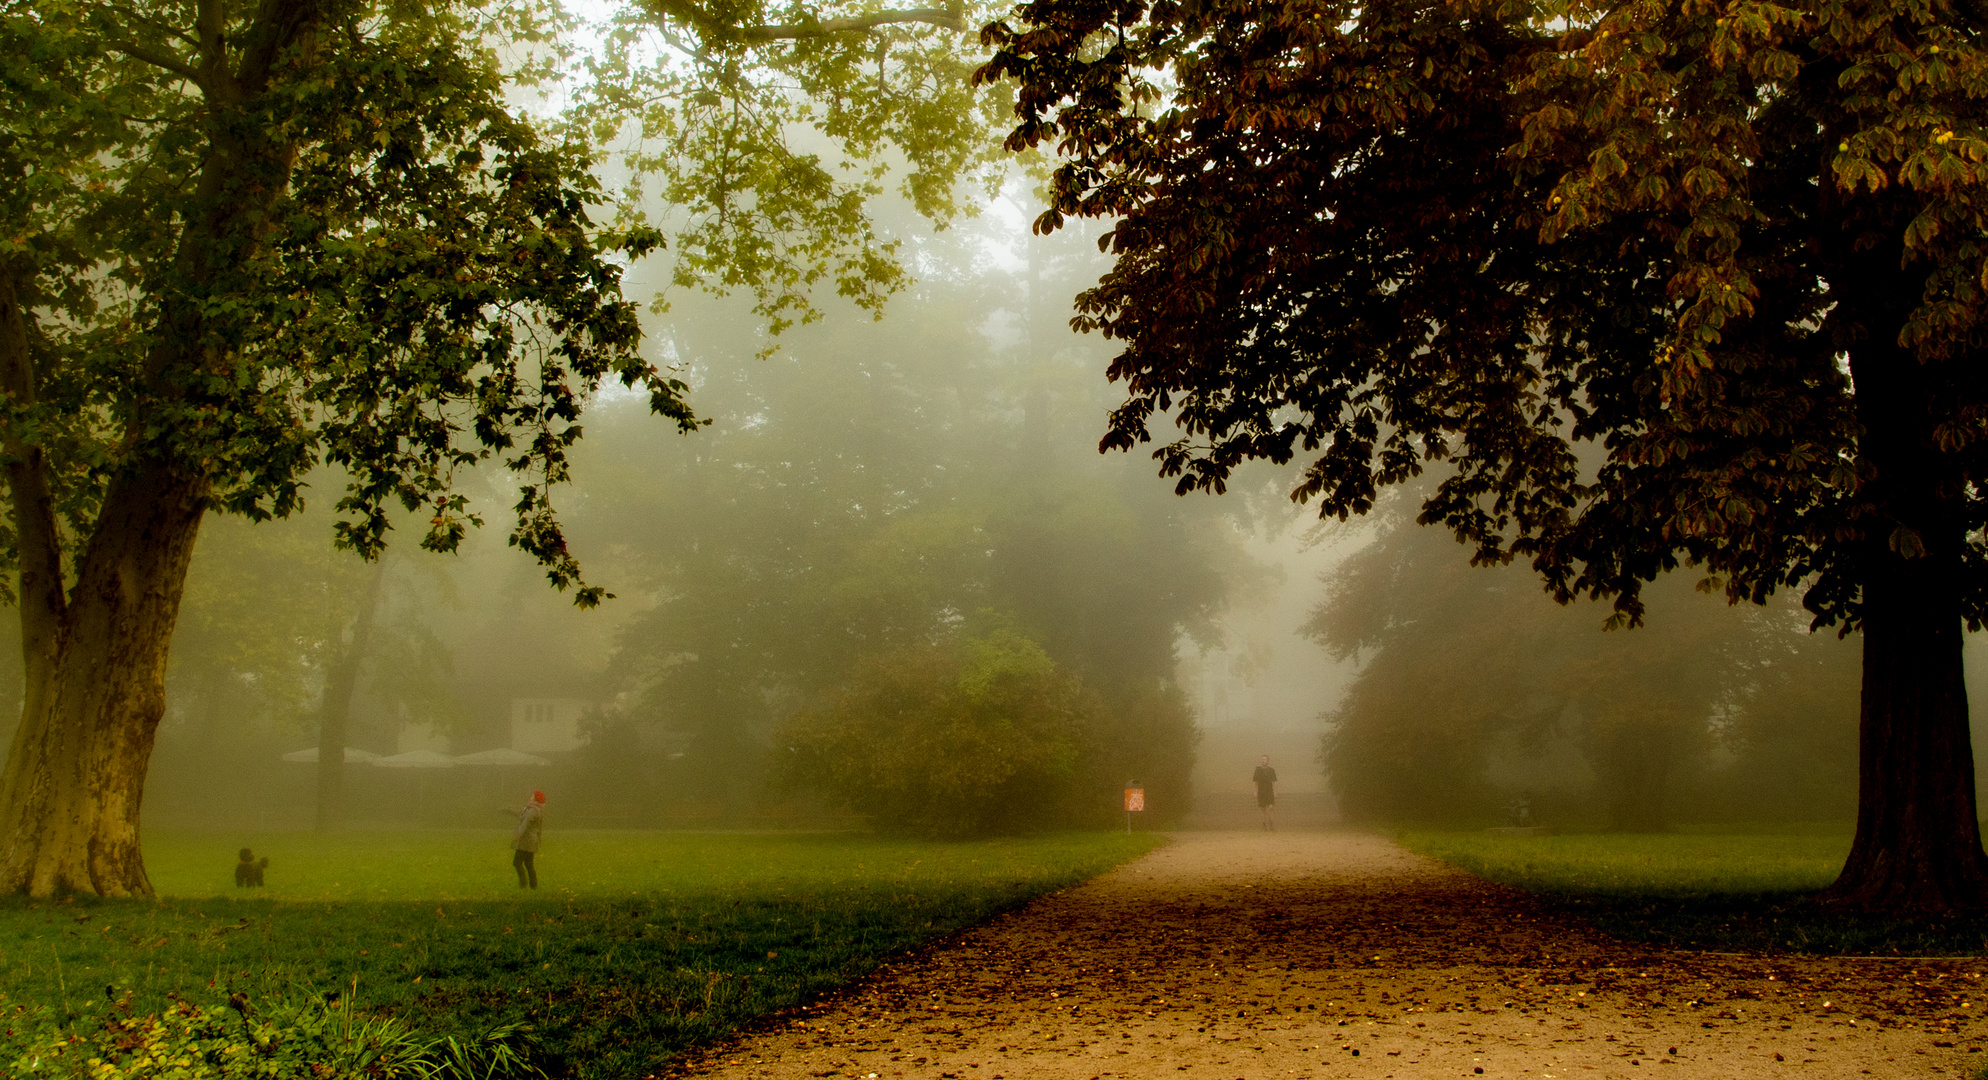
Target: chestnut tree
[(1653, 282)]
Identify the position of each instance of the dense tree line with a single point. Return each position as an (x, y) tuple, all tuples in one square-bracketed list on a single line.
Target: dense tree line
[(1475, 689)]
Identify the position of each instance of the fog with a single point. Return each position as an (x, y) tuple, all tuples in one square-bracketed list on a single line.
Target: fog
[(869, 488), (1262, 688), (878, 502), (1474, 697)]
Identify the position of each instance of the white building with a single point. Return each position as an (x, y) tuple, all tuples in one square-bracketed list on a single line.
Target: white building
[(539, 725)]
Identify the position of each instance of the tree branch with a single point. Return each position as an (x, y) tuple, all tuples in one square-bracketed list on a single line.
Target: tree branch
[(277, 26), (37, 542), (156, 58), (210, 24), (944, 18), (712, 28)]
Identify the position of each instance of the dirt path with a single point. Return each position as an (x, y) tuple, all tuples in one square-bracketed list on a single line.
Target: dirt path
[(1228, 955)]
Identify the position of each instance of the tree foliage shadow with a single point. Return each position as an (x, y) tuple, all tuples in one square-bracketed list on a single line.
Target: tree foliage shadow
[(1765, 922)]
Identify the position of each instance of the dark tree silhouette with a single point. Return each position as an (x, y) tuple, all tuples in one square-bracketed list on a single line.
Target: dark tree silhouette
[(1739, 247)]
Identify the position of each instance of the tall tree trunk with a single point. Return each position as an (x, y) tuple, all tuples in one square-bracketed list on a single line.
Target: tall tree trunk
[(1636, 760), (95, 651), (335, 715), (1918, 844), (75, 776), (94, 657)]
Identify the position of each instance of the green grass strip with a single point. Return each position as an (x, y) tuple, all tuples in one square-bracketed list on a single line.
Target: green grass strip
[(1644, 865), (635, 946), (1729, 889)]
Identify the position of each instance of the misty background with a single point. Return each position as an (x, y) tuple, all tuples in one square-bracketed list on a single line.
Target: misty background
[(895, 557)]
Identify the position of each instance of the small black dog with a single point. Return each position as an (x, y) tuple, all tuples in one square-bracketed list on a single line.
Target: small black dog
[(249, 870)]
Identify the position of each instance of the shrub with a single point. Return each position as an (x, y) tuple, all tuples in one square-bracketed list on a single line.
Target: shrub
[(316, 1041), (971, 737), (1145, 732)]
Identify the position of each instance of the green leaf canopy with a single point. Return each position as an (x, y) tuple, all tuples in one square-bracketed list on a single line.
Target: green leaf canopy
[(370, 260)]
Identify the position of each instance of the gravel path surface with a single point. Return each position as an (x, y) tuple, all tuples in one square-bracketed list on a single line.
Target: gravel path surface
[(1334, 954)]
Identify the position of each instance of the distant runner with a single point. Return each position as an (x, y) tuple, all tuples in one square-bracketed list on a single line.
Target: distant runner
[(524, 843), (1266, 792)]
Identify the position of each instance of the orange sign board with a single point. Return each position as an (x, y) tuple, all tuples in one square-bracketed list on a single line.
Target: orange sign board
[(1135, 799)]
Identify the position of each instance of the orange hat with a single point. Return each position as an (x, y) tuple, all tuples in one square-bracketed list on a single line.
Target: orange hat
[(538, 796)]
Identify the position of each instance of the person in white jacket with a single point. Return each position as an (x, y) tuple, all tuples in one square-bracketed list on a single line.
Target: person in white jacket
[(524, 842)]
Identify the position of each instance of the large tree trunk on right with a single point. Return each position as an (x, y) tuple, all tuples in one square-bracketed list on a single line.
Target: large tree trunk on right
[(1918, 846)]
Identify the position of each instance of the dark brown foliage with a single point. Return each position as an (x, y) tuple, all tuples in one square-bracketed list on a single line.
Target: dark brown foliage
[(1737, 247)]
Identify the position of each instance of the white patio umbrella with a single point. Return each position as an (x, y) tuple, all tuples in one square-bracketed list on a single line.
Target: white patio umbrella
[(353, 755), (503, 755), (417, 759)]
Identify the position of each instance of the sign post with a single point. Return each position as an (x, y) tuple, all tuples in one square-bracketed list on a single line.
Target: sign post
[(1135, 802)]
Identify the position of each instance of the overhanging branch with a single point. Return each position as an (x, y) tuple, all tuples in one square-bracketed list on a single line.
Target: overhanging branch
[(157, 58), (711, 28)]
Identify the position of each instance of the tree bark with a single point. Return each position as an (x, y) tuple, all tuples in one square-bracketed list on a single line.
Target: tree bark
[(335, 717), (1918, 846), (75, 777)]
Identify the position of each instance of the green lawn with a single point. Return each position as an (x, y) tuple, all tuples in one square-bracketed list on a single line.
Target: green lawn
[(635, 945), (1666, 864), (1730, 888)]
